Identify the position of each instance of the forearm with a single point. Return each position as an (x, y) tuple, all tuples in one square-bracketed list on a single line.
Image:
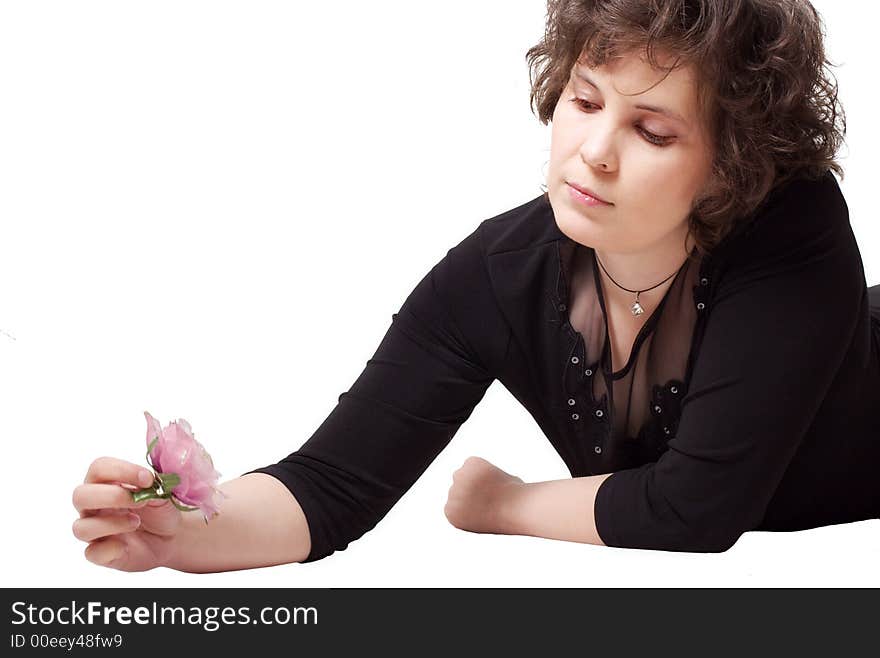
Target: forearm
[(260, 524), (556, 509)]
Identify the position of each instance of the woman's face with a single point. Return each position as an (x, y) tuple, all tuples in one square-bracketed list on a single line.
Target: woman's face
[(648, 165)]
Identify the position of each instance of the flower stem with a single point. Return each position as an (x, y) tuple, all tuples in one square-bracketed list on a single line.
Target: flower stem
[(152, 493), (146, 494)]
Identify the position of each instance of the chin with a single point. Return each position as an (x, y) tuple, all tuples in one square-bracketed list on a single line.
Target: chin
[(576, 225)]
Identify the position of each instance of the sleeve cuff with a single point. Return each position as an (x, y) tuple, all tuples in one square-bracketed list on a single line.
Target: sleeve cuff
[(603, 511)]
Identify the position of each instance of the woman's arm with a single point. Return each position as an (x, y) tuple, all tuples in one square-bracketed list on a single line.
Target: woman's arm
[(261, 524), (485, 498), (555, 509), (432, 367)]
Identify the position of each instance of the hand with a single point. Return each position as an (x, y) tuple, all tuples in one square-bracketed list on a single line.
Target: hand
[(105, 505), (478, 496)]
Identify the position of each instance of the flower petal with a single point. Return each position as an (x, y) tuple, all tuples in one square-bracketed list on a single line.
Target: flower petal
[(154, 429)]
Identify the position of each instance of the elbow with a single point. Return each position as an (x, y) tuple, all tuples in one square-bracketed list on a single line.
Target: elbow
[(675, 538), (699, 537), (704, 537), (714, 540), (715, 529), (637, 509), (716, 544), (719, 534)]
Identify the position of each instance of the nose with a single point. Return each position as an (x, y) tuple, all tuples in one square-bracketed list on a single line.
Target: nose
[(602, 161), (597, 150)]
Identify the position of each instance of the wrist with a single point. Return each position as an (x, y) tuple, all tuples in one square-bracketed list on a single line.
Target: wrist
[(178, 550), (510, 508)]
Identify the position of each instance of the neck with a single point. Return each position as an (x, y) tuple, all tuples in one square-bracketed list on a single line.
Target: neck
[(641, 270)]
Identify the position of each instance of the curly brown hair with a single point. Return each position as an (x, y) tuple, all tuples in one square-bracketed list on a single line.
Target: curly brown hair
[(760, 65)]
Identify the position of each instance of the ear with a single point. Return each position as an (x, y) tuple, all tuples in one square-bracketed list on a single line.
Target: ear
[(689, 241)]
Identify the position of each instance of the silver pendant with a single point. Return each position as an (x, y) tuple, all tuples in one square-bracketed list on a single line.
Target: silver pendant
[(637, 308)]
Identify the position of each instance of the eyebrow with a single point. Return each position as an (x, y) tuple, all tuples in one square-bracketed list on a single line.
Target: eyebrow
[(651, 108)]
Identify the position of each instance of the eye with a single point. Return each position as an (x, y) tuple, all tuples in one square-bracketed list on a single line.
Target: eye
[(656, 140)]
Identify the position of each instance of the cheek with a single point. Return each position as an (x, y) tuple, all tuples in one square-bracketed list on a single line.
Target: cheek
[(564, 149), (662, 194), (668, 176), (557, 132)]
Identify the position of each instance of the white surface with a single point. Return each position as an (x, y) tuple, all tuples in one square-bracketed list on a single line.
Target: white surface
[(171, 178)]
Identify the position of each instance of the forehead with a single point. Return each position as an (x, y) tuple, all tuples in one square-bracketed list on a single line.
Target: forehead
[(632, 74)]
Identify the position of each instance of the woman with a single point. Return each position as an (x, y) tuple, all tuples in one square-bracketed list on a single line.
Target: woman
[(684, 313)]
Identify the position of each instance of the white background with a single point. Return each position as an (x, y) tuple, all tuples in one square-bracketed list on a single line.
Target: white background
[(210, 210)]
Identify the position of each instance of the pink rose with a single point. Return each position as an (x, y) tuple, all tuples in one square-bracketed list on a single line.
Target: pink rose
[(183, 467)]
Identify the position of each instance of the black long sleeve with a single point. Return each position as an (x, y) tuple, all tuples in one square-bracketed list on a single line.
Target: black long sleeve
[(422, 383)]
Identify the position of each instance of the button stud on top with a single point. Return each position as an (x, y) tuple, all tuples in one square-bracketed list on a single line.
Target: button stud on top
[(598, 413), (597, 449), (588, 372), (657, 409), (701, 306), (562, 307), (574, 359), (673, 389), (575, 416), (570, 401), (704, 281)]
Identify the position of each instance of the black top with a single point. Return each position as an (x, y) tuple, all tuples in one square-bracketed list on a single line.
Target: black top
[(751, 398)]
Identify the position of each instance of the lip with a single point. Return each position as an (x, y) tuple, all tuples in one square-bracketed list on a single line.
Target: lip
[(587, 191)]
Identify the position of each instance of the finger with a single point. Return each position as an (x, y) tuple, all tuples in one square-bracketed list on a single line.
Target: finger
[(105, 551), (95, 527), (111, 469), (108, 511), (91, 497)]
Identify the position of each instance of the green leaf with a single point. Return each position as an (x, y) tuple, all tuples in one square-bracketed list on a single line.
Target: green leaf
[(169, 480), (144, 494)]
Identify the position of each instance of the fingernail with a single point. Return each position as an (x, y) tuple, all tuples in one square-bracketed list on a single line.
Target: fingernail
[(145, 478), (134, 520)]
